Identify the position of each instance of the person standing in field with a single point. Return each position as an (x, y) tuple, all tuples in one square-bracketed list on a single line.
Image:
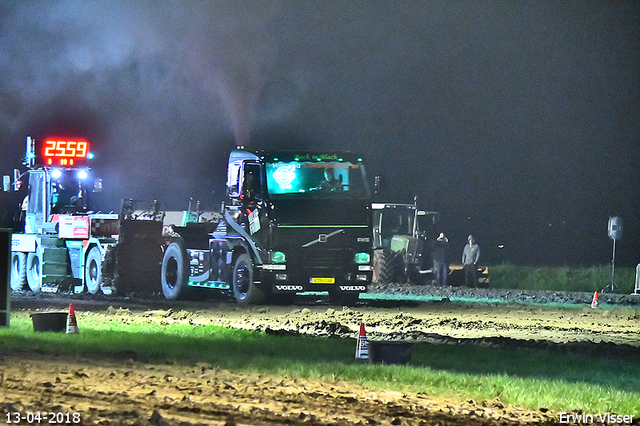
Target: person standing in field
[(441, 259), (470, 257)]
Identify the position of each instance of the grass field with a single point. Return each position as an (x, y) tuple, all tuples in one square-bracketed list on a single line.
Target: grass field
[(508, 276), (557, 380)]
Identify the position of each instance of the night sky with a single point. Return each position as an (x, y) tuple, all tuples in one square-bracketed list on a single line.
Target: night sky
[(519, 121)]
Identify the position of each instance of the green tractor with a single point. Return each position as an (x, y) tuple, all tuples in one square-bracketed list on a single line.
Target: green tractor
[(401, 242)]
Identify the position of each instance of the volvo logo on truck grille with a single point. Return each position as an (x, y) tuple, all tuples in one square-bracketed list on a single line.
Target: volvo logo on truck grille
[(353, 288), (289, 288), (322, 238)]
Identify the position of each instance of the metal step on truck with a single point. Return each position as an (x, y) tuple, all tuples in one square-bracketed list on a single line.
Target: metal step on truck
[(292, 222)]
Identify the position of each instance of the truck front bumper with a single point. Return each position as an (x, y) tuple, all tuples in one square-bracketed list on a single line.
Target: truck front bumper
[(280, 279)]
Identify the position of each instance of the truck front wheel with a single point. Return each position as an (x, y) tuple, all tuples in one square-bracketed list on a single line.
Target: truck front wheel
[(92, 269), (175, 272), (18, 271), (244, 289)]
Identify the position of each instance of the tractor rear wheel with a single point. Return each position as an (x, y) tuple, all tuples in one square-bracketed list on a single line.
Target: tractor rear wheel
[(384, 266)]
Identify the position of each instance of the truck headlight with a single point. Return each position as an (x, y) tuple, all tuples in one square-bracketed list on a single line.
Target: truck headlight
[(278, 257), (362, 258)]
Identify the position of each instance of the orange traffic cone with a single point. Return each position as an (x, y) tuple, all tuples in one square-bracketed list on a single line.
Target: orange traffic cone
[(362, 345), (594, 301), (72, 324)]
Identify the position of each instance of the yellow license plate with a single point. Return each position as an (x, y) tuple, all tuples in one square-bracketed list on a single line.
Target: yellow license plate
[(323, 280)]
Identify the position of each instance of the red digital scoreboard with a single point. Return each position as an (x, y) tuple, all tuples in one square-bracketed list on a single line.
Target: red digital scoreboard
[(63, 152)]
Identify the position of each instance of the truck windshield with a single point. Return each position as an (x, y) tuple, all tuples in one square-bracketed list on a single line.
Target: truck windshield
[(68, 195), (339, 179)]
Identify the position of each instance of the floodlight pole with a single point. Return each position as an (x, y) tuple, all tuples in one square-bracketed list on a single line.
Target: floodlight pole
[(613, 264), (613, 287)]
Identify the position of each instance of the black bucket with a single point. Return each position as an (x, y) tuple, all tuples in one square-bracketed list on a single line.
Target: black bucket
[(392, 352), (49, 321)]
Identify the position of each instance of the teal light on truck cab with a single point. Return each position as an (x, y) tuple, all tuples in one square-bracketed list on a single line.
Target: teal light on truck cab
[(316, 177)]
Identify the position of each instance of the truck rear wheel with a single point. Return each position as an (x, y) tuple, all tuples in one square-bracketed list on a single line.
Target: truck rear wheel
[(244, 289), (18, 271), (34, 277), (92, 271), (175, 272)]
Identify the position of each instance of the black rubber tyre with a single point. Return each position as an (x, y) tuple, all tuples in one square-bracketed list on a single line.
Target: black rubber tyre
[(384, 267), (93, 271), (34, 277), (18, 271), (244, 289), (175, 272)]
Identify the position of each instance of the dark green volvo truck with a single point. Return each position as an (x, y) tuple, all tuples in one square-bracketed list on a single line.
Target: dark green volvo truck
[(293, 222)]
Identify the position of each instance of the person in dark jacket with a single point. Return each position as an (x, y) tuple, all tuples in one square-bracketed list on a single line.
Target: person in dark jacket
[(441, 259)]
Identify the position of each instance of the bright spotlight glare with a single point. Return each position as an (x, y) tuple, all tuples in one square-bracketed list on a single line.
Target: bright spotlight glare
[(56, 173), (82, 174)]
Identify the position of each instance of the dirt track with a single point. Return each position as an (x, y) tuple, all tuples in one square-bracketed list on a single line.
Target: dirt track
[(136, 393), (126, 391)]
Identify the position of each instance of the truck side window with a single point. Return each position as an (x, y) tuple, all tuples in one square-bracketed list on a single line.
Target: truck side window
[(233, 179), (36, 184), (252, 188)]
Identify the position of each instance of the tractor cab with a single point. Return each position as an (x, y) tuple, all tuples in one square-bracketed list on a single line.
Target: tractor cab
[(399, 235)]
